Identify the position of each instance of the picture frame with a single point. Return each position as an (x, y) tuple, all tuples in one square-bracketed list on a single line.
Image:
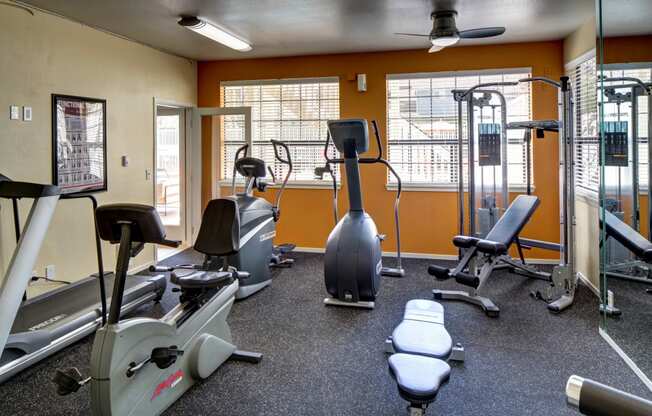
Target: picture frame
[(79, 144)]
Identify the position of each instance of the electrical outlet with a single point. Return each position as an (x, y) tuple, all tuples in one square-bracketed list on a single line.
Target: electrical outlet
[(50, 271)]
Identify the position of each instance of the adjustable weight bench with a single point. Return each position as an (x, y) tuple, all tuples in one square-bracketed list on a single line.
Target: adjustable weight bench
[(620, 231), (483, 256), (420, 345)]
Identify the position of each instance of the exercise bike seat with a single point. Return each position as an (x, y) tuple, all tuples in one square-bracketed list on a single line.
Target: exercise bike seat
[(146, 225), (201, 279), (418, 377)]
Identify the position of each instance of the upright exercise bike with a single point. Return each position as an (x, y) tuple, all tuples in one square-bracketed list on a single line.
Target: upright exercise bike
[(140, 366), (258, 220), (353, 259)]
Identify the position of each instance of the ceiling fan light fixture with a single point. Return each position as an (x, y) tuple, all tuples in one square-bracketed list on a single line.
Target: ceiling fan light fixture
[(214, 33), (444, 41)]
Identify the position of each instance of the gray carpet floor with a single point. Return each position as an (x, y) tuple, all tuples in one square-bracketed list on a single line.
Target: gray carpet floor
[(633, 329), (330, 361)]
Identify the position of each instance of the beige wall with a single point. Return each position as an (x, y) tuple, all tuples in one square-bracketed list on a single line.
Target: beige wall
[(44, 54), (580, 41), (587, 232)]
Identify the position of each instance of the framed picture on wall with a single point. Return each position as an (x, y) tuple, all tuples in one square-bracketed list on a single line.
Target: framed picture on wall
[(78, 144)]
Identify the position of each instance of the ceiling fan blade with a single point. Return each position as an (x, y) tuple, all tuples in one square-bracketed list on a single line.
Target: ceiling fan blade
[(435, 48), (412, 34), (484, 32)]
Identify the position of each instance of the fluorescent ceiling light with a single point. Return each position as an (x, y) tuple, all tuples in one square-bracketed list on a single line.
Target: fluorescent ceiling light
[(214, 33), (443, 41)]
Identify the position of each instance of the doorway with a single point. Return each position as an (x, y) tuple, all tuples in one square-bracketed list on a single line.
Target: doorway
[(170, 174)]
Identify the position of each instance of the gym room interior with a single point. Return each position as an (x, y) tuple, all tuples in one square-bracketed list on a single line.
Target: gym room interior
[(339, 207)]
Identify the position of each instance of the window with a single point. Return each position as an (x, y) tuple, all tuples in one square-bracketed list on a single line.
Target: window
[(613, 113), (294, 111), (587, 144), (422, 124)]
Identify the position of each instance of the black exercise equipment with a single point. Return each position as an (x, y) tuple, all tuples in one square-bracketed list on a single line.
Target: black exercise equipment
[(591, 398)]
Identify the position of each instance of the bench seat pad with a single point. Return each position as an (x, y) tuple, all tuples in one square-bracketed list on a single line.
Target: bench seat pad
[(418, 378), (423, 338)]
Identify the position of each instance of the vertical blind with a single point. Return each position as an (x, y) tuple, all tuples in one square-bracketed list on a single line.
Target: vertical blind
[(587, 144), (294, 111), (422, 123)]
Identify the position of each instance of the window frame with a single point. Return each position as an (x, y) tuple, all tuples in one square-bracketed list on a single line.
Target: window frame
[(326, 183), (443, 187)]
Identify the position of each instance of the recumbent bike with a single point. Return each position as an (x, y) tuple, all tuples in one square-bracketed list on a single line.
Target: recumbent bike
[(143, 365)]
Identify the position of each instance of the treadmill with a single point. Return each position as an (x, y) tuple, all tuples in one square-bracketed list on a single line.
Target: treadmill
[(33, 329)]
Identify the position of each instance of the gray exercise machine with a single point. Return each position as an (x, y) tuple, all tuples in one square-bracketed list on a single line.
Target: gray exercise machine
[(353, 259), (35, 328), (258, 218), (140, 366), (591, 398), (481, 255), (622, 137)]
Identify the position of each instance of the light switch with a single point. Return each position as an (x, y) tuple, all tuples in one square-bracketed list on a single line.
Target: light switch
[(124, 160), (14, 112), (27, 113)]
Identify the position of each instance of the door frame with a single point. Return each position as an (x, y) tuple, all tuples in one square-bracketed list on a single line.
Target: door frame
[(194, 158), (186, 167)]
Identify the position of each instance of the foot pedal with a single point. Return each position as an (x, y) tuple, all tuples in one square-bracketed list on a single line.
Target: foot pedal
[(284, 248), (164, 357), (68, 381)]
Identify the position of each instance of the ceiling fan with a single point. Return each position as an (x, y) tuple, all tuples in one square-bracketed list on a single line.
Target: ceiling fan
[(445, 33)]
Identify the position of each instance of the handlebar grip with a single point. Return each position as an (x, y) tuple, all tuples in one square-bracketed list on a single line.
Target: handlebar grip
[(595, 399), (288, 160)]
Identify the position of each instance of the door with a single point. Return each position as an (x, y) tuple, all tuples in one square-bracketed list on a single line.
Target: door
[(170, 181)]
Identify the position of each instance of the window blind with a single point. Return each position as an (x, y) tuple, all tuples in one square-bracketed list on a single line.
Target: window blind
[(294, 111), (422, 123)]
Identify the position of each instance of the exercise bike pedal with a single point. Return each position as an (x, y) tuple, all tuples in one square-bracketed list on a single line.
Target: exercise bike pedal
[(164, 357), (246, 356), (69, 380)]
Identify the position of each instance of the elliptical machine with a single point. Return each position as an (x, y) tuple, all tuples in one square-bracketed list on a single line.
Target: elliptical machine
[(353, 259), (143, 365), (258, 220)]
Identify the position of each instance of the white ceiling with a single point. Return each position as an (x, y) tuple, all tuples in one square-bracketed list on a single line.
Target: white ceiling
[(303, 27), (627, 17)]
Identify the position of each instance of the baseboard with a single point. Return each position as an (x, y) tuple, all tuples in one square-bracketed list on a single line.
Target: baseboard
[(630, 363), (141, 267), (427, 256), (589, 284)]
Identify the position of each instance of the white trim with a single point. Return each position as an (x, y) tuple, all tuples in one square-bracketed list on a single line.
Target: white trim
[(428, 187), (443, 74), (426, 256), (589, 284), (141, 267), (314, 80), (572, 64), (639, 373)]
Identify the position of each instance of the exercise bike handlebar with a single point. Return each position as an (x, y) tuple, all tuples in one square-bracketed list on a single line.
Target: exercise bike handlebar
[(276, 144), (244, 148)]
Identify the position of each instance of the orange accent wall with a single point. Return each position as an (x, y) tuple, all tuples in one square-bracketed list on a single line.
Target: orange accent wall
[(428, 219)]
